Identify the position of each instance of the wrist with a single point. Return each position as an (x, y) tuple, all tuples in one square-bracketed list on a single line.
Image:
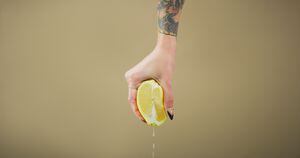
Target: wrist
[(166, 43)]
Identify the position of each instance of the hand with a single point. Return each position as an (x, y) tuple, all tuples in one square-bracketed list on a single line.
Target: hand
[(159, 65)]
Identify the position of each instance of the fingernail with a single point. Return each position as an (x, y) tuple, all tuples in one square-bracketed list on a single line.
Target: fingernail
[(171, 113)]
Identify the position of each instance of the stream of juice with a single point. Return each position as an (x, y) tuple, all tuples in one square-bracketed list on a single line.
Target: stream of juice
[(153, 144)]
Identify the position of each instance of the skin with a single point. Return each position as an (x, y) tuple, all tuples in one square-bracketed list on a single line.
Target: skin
[(160, 63), (168, 15)]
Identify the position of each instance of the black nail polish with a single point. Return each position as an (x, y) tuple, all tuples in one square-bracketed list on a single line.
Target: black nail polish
[(170, 115)]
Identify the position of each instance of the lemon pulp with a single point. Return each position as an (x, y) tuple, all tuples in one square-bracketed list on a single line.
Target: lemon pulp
[(150, 103)]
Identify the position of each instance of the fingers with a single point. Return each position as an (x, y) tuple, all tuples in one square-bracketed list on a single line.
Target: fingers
[(132, 92), (168, 98), (132, 101)]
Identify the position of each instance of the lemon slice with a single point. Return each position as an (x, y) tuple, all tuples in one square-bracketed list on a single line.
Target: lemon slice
[(150, 102)]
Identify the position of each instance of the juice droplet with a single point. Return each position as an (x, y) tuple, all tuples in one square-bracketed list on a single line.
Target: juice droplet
[(153, 132), (153, 144)]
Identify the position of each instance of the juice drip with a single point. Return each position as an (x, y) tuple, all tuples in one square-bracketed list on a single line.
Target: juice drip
[(153, 144), (153, 132)]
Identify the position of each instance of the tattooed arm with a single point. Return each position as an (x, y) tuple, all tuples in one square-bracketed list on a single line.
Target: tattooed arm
[(160, 63), (168, 15)]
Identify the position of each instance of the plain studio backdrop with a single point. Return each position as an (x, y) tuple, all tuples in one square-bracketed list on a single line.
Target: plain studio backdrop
[(63, 93)]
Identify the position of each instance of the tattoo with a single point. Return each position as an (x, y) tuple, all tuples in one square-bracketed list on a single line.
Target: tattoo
[(168, 16)]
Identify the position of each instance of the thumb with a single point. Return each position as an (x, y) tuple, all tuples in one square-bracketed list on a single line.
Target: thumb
[(168, 98)]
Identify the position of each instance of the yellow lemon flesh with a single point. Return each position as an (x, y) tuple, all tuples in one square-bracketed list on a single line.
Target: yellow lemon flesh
[(150, 103)]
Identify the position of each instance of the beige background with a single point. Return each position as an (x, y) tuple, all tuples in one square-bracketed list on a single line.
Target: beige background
[(63, 94)]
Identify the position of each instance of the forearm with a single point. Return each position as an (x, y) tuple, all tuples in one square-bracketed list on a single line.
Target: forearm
[(168, 16)]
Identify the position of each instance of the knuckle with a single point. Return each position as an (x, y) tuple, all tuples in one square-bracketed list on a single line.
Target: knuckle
[(131, 77), (126, 75)]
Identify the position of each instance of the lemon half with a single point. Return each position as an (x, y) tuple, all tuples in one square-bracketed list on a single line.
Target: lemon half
[(150, 102)]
